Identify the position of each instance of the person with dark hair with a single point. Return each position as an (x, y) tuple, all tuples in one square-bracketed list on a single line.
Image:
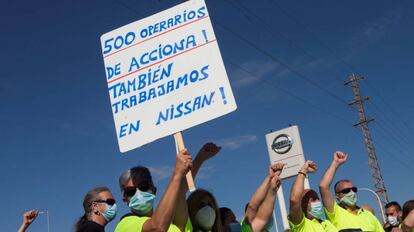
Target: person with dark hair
[(306, 212), (28, 218), (393, 212), (139, 192), (407, 224), (407, 208), (228, 220), (99, 209), (204, 211), (345, 216), (258, 212)]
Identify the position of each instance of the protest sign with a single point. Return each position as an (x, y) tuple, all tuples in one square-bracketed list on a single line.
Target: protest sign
[(285, 146), (165, 74)]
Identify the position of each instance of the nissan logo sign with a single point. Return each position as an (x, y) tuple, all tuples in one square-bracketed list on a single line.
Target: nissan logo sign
[(282, 144)]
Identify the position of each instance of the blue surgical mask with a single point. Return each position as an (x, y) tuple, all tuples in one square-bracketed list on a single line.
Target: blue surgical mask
[(235, 227), (317, 210), (110, 212), (142, 202), (350, 199)]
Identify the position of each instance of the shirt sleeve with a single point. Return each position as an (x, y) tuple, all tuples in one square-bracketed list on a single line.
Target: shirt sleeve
[(334, 215)]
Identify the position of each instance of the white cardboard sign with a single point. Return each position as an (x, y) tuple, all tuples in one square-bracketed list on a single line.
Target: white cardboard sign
[(285, 146), (165, 74)]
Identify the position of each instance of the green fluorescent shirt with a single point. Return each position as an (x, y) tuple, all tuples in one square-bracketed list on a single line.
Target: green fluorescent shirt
[(245, 227), (400, 226), (364, 220), (307, 225), (135, 223)]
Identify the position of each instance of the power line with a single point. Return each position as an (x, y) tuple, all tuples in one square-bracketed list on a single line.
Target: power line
[(388, 123), (291, 43), (321, 43), (396, 157), (389, 106), (277, 60), (396, 140), (290, 94)]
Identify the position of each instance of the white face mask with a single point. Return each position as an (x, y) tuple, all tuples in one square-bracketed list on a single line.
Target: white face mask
[(393, 220), (205, 217), (350, 199)]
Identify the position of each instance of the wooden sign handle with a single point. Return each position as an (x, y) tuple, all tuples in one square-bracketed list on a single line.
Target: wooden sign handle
[(179, 145)]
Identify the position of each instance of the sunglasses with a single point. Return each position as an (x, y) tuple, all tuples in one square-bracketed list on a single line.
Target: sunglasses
[(143, 186), (347, 190), (108, 201), (130, 191)]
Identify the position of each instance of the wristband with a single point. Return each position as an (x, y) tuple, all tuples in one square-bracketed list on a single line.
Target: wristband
[(303, 173)]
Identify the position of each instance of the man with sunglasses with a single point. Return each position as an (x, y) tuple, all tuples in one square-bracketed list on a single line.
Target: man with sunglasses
[(346, 216), (139, 194)]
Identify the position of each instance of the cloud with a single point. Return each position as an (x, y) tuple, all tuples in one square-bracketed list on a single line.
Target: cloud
[(250, 72), (161, 172), (375, 29), (236, 142), (205, 172), (164, 172), (378, 26)]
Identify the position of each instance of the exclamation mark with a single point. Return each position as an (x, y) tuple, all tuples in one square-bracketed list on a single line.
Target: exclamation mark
[(205, 35), (223, 95)]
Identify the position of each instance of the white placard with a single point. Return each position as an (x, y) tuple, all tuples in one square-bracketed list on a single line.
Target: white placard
[(165, 74), (285, 146)]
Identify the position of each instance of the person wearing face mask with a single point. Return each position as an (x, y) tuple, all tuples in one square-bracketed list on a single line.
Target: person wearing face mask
[(100, 208), (258, 212), (139, 194), (345, 216), (204, 212), (393, 212), (306, 212), (229, 221)]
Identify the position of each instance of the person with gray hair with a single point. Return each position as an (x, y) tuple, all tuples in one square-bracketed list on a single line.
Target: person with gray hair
[(138, 191)]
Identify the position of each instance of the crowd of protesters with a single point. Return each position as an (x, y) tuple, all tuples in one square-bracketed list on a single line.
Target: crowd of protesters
[(308, 212)]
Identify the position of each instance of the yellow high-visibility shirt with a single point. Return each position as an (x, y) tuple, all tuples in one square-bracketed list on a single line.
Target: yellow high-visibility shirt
[(343, 219), (307, 225), (134, 224)]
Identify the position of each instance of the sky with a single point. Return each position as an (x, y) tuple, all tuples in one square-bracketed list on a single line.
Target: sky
[(286, 62)]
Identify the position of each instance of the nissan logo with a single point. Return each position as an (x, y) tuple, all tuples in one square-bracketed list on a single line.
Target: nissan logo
[(282, 144)]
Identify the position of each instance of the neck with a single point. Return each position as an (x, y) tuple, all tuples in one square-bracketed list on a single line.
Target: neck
[(149, 214), (98, 219)]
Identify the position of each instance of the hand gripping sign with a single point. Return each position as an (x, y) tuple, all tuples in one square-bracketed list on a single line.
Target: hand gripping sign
[(165, 74)]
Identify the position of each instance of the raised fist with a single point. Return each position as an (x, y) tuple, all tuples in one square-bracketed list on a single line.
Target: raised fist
[(309, 166), (208, 151), (275, 169), (29, 217), (339, 157)]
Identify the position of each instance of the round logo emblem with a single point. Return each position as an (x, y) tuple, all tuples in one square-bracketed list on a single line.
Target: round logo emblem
[(282, 144)]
